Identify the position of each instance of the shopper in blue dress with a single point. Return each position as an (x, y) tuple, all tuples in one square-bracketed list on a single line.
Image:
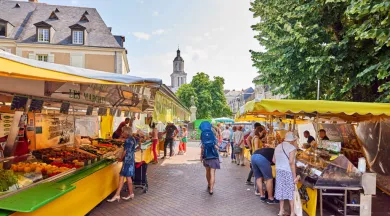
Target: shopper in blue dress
[(128, 166)]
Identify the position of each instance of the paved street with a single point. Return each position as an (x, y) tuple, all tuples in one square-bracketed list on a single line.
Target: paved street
[(178, 187)]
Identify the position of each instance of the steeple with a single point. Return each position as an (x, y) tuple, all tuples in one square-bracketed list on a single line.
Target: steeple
[(178, 77)]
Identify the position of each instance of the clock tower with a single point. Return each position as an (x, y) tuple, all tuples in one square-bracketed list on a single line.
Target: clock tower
[(178, 77)]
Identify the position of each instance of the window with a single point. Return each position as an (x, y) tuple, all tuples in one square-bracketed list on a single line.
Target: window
[(43, 35), (42, 58), (78, 37), (2, 28)]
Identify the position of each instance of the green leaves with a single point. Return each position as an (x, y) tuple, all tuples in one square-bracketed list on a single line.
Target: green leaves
[(208, 94), (344, 43)]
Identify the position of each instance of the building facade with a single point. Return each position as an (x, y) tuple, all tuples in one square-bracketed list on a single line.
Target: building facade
[(75, 36), (236, 99), (178, 77)]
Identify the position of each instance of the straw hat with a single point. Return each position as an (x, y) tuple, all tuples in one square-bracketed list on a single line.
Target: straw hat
[(289, 137)]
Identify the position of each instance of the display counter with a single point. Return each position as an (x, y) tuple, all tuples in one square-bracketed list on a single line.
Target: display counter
[(54, 195)]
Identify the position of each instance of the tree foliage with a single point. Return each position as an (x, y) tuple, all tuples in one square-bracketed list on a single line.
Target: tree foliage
[(343, 43), (208, 94)]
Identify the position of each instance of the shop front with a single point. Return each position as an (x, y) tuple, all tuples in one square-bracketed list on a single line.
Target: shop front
[(332, 169), (55, 126)]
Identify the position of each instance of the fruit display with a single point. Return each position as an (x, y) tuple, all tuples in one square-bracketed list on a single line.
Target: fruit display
[(63, 155), (7, 179), (98, 149), (32, 170), (109, 142)]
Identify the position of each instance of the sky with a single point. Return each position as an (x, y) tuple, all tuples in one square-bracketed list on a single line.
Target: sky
[(214, 36)]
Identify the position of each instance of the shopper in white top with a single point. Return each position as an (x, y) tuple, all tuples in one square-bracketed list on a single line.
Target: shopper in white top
[(238, 139), (226, 138), (284, 159)]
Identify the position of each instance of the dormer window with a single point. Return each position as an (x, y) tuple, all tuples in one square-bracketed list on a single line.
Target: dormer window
[(44, 32), (53, 16), (43, 35), (78, 34), (3, 27), (78, 37)]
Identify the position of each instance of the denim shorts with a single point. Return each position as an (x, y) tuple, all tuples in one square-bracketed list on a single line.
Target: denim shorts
[(261, 167)]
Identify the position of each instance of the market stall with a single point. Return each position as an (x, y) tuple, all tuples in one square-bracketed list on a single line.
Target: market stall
[(329, 169), (50, 117)]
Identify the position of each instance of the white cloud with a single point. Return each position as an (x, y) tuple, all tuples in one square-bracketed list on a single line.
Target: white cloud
[(207, 34), (141, 35), (155, 13), (159, 32)]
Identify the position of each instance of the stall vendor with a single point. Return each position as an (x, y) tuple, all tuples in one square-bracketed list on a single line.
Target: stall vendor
[(117, 134), (309, 138), (323, 135)]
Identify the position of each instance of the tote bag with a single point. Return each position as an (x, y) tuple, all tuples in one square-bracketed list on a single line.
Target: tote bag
[(297, 202)]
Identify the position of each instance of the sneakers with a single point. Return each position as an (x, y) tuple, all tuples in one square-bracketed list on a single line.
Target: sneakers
[(249, 183), (274, 201), (263, 199)]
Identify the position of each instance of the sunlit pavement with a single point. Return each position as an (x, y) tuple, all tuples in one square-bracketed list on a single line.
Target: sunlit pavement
[(177, 186)]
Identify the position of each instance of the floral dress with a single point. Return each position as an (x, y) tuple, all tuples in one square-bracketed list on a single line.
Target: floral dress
[(128, 167)]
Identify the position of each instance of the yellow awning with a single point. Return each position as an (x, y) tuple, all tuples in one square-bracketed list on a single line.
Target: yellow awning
[(254, 118), (326, 108), (9, 68)]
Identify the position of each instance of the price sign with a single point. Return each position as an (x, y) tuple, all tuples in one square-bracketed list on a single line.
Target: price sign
[(65, 108), (89, 110), (36, 106), (112, 112), (118, 113), (19, 103), (102, 111)]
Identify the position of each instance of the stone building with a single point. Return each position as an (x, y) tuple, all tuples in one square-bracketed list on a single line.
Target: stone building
[(178, 77), (67, 35)]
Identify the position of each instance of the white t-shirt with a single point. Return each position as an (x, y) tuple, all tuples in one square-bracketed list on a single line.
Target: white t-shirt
[(238, 137), (282, 162), (226, 134)]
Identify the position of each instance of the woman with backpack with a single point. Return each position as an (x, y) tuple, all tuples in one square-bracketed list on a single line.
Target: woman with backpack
[(209, 155)]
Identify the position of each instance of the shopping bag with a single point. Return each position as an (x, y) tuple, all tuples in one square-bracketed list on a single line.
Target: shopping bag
[(297, 202)]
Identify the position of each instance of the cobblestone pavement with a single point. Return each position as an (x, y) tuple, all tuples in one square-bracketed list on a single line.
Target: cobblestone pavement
[(177, 186)]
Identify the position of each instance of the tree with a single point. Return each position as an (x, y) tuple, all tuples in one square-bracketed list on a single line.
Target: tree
[(209, 96), (324, 39), (185, 92)]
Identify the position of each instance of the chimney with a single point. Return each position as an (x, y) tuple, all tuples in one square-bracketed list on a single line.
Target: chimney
[(35, 1)]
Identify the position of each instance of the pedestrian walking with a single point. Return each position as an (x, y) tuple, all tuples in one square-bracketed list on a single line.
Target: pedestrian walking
[(238, 139), (226, 139), (128, 166), (183, 141), (286, 178), (170, 134), (232, 130), (249, 141), (209, 154), (154, 141)]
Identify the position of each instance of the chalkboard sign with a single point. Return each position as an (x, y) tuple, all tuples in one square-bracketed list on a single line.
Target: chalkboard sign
[(65, 108), (112, 112), (118, 113), (89, 110), (102, 112), (19, 103), (36, 106), (38, 130)]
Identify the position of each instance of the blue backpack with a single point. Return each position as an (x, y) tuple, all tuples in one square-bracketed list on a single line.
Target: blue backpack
[(208, 141)]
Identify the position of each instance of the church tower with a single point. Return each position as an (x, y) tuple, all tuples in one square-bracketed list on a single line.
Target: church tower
[(178, 77)]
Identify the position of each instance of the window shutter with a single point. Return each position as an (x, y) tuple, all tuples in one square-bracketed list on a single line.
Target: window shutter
[(32, 56), (51, 58), (77, 60)]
